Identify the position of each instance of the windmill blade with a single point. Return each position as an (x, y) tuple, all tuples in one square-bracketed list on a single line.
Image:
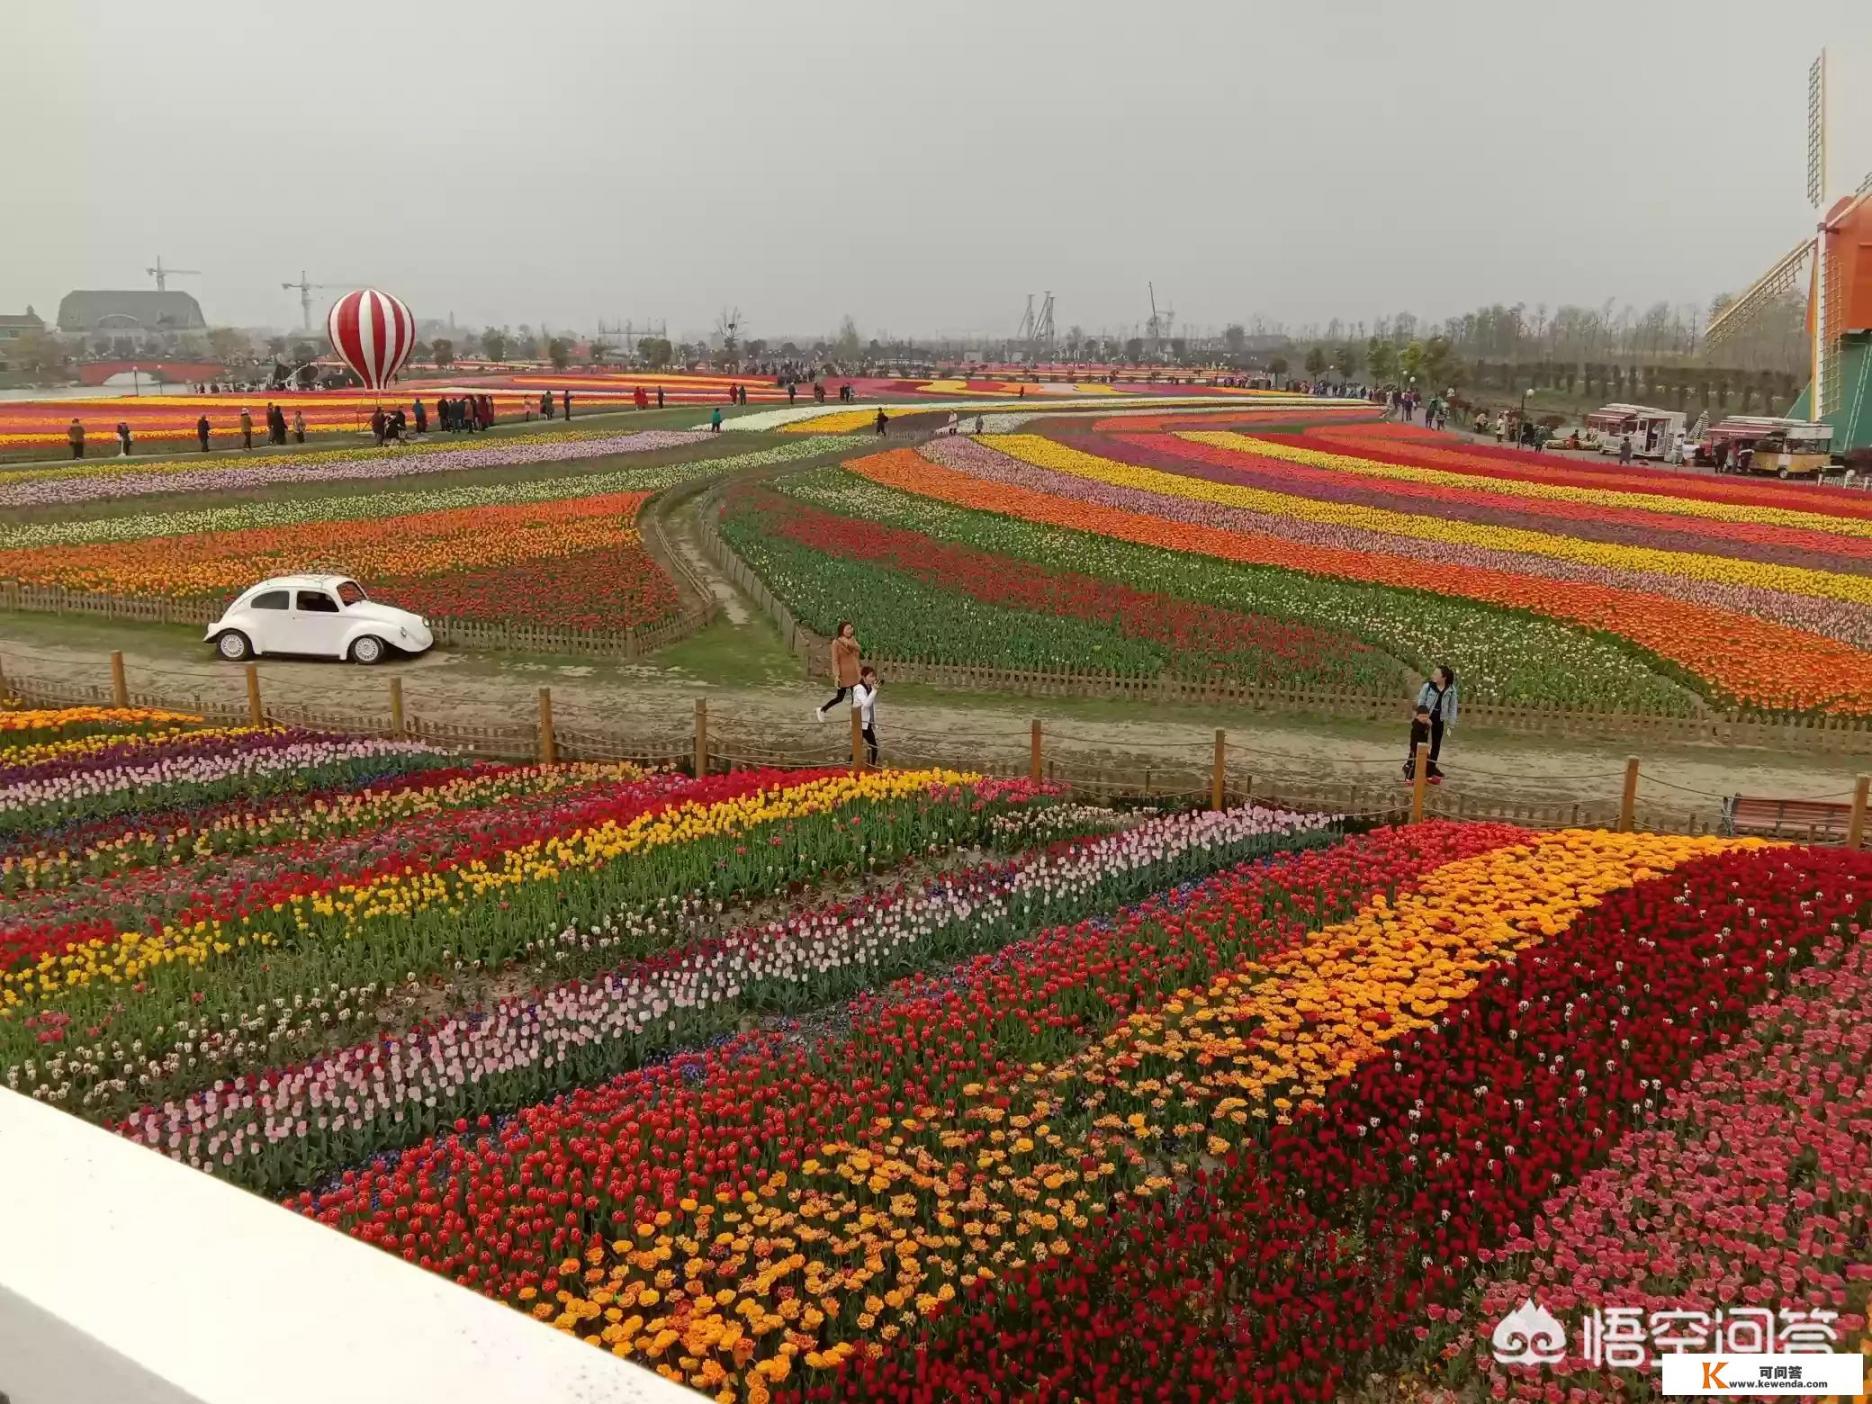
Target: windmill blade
[(1816, 132), (1759, 294)]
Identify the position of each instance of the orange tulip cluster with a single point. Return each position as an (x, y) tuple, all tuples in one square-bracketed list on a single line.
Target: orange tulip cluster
[(871, 1237), (416, 544)]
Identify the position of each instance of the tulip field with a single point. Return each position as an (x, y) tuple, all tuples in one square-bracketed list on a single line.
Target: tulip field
[(1345, 555), (923, 1085), (542, 531)]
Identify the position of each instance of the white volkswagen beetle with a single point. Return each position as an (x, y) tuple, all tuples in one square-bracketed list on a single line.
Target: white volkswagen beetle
[(326, 616)]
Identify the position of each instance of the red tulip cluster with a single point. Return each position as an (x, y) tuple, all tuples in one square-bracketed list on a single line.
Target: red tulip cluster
[(1331, 1248), (502, 1208)]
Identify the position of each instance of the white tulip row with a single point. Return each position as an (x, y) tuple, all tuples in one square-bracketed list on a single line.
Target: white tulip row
[(270, 1128)]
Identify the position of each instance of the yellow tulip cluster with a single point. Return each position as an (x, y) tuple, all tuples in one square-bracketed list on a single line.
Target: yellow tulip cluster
[(301, 819), (20, 719), (867, 1238)]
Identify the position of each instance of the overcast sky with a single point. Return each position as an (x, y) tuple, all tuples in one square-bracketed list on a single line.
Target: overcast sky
[(920, 164)]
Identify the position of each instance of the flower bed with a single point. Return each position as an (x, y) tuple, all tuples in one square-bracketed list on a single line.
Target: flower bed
[(559, 550), (1763, 635), (920, 1085)]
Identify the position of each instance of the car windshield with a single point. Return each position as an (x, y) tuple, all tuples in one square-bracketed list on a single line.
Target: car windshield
[(350, 592)]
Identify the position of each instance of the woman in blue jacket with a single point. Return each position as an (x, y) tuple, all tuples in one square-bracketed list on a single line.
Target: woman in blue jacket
[(1439, 696)]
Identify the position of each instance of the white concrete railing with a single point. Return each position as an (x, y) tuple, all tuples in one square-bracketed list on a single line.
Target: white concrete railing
[(126, 1278)]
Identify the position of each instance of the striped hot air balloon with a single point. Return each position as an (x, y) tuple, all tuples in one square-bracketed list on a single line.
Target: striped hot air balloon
[(372, 332)]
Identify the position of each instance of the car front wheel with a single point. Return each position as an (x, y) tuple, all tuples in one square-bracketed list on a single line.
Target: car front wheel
[(367, 651), (234, 647)]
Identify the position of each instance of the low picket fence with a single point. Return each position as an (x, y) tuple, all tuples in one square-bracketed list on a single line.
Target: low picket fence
[(1228, 770)]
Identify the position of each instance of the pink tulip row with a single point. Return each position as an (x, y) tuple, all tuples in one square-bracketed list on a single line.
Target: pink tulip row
[(1751, 1192), (272, 472), (257, 753), (266, 1127)]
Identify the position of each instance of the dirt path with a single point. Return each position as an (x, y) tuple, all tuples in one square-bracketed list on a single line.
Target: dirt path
[(759, 706)]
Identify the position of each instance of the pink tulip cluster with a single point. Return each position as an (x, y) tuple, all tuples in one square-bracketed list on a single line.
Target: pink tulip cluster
[(191, 762), (1751, 1189)]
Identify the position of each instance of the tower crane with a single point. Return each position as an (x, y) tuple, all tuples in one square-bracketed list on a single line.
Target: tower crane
[(163, 275), (305, 288)]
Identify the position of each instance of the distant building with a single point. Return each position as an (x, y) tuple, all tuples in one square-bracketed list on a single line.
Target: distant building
[(137, 314), (13, 326)]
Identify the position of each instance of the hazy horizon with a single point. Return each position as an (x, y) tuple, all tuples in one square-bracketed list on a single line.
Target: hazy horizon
[(920, 168)]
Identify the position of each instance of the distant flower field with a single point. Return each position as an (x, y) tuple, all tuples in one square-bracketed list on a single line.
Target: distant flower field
[(1342, 556)]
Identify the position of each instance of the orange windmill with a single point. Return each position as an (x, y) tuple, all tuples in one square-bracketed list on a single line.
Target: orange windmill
[(1837, 258)]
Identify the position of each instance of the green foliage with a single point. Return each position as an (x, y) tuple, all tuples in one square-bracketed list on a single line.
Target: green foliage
[(1503, 655), (897, 616)]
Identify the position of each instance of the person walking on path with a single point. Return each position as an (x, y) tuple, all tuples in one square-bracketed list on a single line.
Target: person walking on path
[(246, 424), (883, 422), (123, 439), (1437, 698), (201, 432), (74, 436), (566, 395), (1624, 450), (714, 420), (864, 703), (377, 425), (659, 397), (978, 423), (299, 426), (1501, 426), (954, 419), (422, 417), (546, 404), (845, 667), (792, 392)]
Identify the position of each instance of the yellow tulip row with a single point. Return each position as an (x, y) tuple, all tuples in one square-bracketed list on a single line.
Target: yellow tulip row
[(303, 818), (1794, 580), (133, 954), (869, 1238), (1552, 492)]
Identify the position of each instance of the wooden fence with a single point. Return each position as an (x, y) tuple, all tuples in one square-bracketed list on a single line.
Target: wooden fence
[(1834, 735), (1219, 772)]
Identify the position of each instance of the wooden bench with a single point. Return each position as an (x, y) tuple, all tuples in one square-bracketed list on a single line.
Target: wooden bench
[(1786, 818)]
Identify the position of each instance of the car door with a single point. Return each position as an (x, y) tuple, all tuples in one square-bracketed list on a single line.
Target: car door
[(268, 620), (316, 624)]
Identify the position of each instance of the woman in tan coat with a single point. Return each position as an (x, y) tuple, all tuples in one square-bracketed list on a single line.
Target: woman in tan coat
[(844, 666)]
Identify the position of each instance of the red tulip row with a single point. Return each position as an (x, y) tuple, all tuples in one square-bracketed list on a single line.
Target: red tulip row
[(1280, 1273), (1403, 444), (500, 1207)]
